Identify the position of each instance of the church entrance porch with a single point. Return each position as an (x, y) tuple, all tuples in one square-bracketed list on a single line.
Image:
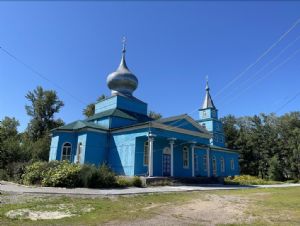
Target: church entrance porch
[(159, 156)]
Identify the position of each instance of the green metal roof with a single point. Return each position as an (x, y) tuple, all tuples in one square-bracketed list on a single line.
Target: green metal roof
[(121, 114), (80, 125), (112, 112), (88, 123)]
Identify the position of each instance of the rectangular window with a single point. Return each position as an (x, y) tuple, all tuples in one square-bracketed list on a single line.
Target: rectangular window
[(146, 153), (214, 166), (196, 162), (232, 164), (185, 157), (204, 163), (222, 165)]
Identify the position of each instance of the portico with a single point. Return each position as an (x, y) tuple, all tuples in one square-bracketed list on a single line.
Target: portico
[(171, 157)]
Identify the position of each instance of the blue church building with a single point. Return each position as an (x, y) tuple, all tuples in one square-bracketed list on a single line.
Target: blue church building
[(121, 134)]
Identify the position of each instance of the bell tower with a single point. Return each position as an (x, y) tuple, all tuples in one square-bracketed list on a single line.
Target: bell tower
[(208, 117)]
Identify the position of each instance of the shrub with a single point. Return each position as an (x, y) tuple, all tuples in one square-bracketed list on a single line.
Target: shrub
[(3, 175), (104, 177), (65, 174), (129, 182), (15, 170), (124, 182), (246, 180), (137, 182), (86, 174), (34, 173)]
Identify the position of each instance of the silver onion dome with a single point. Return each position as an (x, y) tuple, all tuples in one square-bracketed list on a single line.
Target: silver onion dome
[(122, 81)]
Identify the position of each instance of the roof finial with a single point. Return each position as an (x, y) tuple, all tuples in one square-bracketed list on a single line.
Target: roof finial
[(207, 87), (124, 40)]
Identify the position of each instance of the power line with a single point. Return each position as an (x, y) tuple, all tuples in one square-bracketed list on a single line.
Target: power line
[(36, 72), (265, 76), (259, 58), (287, 102), (251, 65), (260, 70)]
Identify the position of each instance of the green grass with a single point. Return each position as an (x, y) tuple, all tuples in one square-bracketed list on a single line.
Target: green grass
[(105, 209), (270, 206)]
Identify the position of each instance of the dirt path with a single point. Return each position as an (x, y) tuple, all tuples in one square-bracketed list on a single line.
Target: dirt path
[(212, 210)]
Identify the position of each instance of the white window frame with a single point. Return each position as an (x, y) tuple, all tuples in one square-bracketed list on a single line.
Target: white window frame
[(185, 157), (222, 165), (62, 151), (146, 153)]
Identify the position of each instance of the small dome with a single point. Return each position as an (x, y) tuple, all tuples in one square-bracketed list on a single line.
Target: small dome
[(122, 81)]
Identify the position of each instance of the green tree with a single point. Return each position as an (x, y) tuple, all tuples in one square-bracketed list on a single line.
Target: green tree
[(43, 106), (89, 110), (154, 115), (231, 131), (275, 171), (10, 149)]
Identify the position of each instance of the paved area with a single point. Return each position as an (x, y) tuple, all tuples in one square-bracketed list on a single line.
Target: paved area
[(16, 188)]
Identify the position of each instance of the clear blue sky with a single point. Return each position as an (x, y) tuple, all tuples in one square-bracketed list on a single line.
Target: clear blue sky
[(171, 47)]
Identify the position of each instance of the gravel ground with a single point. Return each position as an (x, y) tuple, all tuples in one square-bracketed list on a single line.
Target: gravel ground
[(16, 188)]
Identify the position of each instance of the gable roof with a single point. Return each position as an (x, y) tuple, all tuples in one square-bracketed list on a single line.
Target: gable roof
[(181, 118)]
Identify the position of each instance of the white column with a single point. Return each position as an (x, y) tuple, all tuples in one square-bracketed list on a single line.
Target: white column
[(193, 160), (172, 141), (208, 162), (150, 164)]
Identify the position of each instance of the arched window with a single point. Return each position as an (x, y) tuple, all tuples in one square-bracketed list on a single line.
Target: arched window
[(232, 164), (222, 165), (214, 166), (185, 157), (167, 151), (146, 153), (66, 152)]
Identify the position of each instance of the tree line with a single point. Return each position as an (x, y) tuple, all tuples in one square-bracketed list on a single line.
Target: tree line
[(269, 145)]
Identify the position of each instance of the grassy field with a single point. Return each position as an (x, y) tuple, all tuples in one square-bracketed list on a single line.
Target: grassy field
[(277, 206)]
